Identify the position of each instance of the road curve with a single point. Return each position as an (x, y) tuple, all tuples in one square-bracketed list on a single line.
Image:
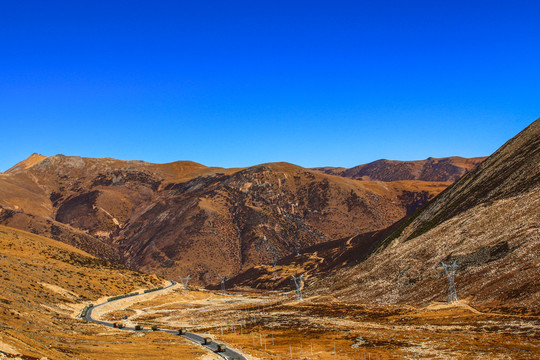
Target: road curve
[(227, 354)]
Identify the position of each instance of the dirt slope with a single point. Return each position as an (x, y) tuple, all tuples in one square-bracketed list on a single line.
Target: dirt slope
[(45, 283), (224, 224), (488, 222), (314, 263), (59, 231), (182, 217)]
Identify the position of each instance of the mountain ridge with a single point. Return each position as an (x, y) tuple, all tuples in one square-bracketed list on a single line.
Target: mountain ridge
[(487, 222), (181, 217), (447, 169)]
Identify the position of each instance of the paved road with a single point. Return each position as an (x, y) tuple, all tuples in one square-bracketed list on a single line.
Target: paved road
[(227, 354)]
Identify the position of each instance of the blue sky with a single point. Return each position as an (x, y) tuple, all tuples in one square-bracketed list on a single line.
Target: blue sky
[(237, 83)]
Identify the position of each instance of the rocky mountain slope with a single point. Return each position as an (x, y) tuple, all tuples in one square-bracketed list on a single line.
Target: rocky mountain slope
[(182, 217), (447, 169), (228, 223), (488, 222)]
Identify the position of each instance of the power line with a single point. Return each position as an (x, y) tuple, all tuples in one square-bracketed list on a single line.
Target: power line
[(185, 281), (274, 268), (298, 281), (223, 278), (450, 272)]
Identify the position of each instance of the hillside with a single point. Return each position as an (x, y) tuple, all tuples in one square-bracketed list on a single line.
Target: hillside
[(488, 222), (46, 283), (447, 169), (315, 262), (226, 224), (58, 231), (183, 217)]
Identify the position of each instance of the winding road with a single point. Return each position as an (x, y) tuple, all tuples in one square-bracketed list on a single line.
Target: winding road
[(213, 346)]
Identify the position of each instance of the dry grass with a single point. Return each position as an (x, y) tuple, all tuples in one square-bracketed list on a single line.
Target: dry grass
[(495, 246), (44, 285), (250, 320)]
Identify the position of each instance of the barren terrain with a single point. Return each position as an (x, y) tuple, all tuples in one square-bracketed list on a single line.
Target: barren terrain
[(488, 222), (45, 284), (171, 219), (271, 325), (373, 283), (431, 169)]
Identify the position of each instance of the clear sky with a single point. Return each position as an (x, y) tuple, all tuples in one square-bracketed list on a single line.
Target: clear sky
[(237, 83)]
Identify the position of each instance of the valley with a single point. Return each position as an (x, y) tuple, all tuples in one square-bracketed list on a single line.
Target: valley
[(45, 285), (79, 231), (273, 325)]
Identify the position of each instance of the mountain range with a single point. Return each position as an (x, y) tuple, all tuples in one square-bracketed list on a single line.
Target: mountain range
[(487, 223), (432, 169), (185, 218)]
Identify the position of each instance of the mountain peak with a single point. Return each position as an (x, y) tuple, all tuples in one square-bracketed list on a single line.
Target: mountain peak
[(26, 163)]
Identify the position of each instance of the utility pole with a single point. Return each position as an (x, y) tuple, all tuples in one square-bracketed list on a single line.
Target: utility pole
[(450, 271), (298, 281), (184, 282), (223, 278)]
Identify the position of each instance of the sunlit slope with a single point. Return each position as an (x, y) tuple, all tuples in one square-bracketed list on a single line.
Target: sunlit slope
[(184, 218), (488, 222), (224, 224), (45, 283)]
